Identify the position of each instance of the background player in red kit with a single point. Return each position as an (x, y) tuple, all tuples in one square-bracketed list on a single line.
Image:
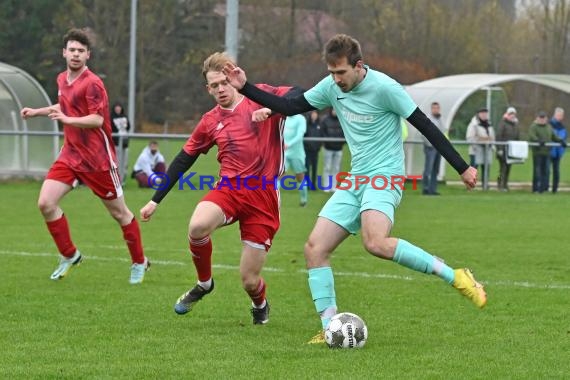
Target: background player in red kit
[(245, 149), (87, 155)]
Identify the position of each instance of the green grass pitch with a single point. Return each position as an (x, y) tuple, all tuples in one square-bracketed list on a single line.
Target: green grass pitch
[(93, 324)]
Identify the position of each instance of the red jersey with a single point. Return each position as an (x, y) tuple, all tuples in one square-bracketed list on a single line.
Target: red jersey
[(245, 148), (86, 149)]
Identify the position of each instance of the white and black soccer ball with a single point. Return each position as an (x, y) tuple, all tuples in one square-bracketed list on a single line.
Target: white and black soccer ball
[(346, 330)]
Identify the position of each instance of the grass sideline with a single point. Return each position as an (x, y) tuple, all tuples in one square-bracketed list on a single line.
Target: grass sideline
[(93, 324)]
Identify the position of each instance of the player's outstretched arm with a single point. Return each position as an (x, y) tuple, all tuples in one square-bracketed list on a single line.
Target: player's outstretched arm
[(419, 120), (264, 113), (287, 106), (28, 112), (181, 163), (88, 121)]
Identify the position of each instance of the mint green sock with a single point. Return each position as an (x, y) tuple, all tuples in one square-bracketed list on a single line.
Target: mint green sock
[(321, 283), (303, 193), (419, 260)]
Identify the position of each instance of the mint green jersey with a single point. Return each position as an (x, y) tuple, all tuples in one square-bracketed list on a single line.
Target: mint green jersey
[(370, 118), (295, 128)]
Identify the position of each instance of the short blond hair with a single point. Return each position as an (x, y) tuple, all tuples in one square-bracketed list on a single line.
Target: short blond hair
[(215, 62)]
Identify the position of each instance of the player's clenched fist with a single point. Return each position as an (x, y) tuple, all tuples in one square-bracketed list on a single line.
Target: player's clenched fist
[(27, 112), (147, 211)]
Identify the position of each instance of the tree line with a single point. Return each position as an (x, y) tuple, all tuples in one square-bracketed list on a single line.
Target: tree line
[(281, 43)]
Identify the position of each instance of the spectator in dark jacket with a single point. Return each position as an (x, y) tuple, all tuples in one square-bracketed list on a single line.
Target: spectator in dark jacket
[(541, 132), (333, 150), (556, 152), (120, 126), (312, 148), (508, 129)]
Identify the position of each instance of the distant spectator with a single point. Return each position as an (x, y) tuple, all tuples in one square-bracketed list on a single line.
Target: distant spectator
[(557, 152), (295, 127), (313, 148), (541, 132), (333, 150), (432, 156), (507, 130), (120, 125), (480, 130), (150, 161)]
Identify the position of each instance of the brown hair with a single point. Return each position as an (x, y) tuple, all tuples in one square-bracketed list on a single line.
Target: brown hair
[(342, 45), (78, 35), (215, 62)]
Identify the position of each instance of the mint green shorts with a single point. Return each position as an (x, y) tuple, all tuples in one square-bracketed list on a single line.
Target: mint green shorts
[(345, 206), (295, 165)]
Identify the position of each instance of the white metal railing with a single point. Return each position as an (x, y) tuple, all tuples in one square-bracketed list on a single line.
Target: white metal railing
[(170, 136)]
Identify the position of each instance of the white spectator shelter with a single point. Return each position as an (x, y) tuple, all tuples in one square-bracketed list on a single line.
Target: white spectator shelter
[(24, 155), (451, 91)]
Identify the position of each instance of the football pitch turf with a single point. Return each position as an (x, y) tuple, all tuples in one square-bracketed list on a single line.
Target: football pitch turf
[(93, 324)]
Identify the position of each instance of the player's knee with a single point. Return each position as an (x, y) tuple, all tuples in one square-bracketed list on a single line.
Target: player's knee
[(46, 207), (309, 249), (249, 282), (121, 214), (197, 230), (314, 256), (377, 247)]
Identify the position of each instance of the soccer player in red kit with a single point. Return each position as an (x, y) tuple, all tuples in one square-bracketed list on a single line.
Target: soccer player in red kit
[(87, 155), (251, 157)]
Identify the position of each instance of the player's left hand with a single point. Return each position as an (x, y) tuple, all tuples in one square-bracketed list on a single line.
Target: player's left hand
[(56, 114), (260, 114), (469, 177), (147, 211), (235, 75)]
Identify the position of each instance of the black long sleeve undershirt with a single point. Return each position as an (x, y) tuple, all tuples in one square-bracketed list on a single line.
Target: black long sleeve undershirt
[(419, 120), (181, 163), (298, 104), (289, 105)]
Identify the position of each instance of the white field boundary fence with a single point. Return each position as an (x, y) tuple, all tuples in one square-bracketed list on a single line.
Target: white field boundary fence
[(24, 152)]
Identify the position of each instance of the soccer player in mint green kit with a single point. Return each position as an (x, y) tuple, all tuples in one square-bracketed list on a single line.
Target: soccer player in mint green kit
[(295, 127), (369, 105)]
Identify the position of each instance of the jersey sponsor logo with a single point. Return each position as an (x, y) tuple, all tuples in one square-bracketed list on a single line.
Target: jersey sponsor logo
[(356, 118)]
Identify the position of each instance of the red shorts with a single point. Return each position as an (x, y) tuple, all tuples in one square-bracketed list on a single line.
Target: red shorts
[(106, 184), (257, 211)]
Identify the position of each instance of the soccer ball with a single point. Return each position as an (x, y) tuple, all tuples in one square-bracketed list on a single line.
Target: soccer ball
[(346, 330)]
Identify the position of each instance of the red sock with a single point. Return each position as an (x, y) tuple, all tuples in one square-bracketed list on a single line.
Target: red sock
[(258, 295), (201, 250), (59, 230), (132, 236)]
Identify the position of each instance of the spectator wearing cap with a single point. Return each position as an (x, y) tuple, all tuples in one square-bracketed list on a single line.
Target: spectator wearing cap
[(556, 152), (480, 131), (508, 129), (540, 132)]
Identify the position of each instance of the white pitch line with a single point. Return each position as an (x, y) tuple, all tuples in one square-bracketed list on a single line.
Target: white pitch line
[(510, 284), (98, 258), (123, 259)]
